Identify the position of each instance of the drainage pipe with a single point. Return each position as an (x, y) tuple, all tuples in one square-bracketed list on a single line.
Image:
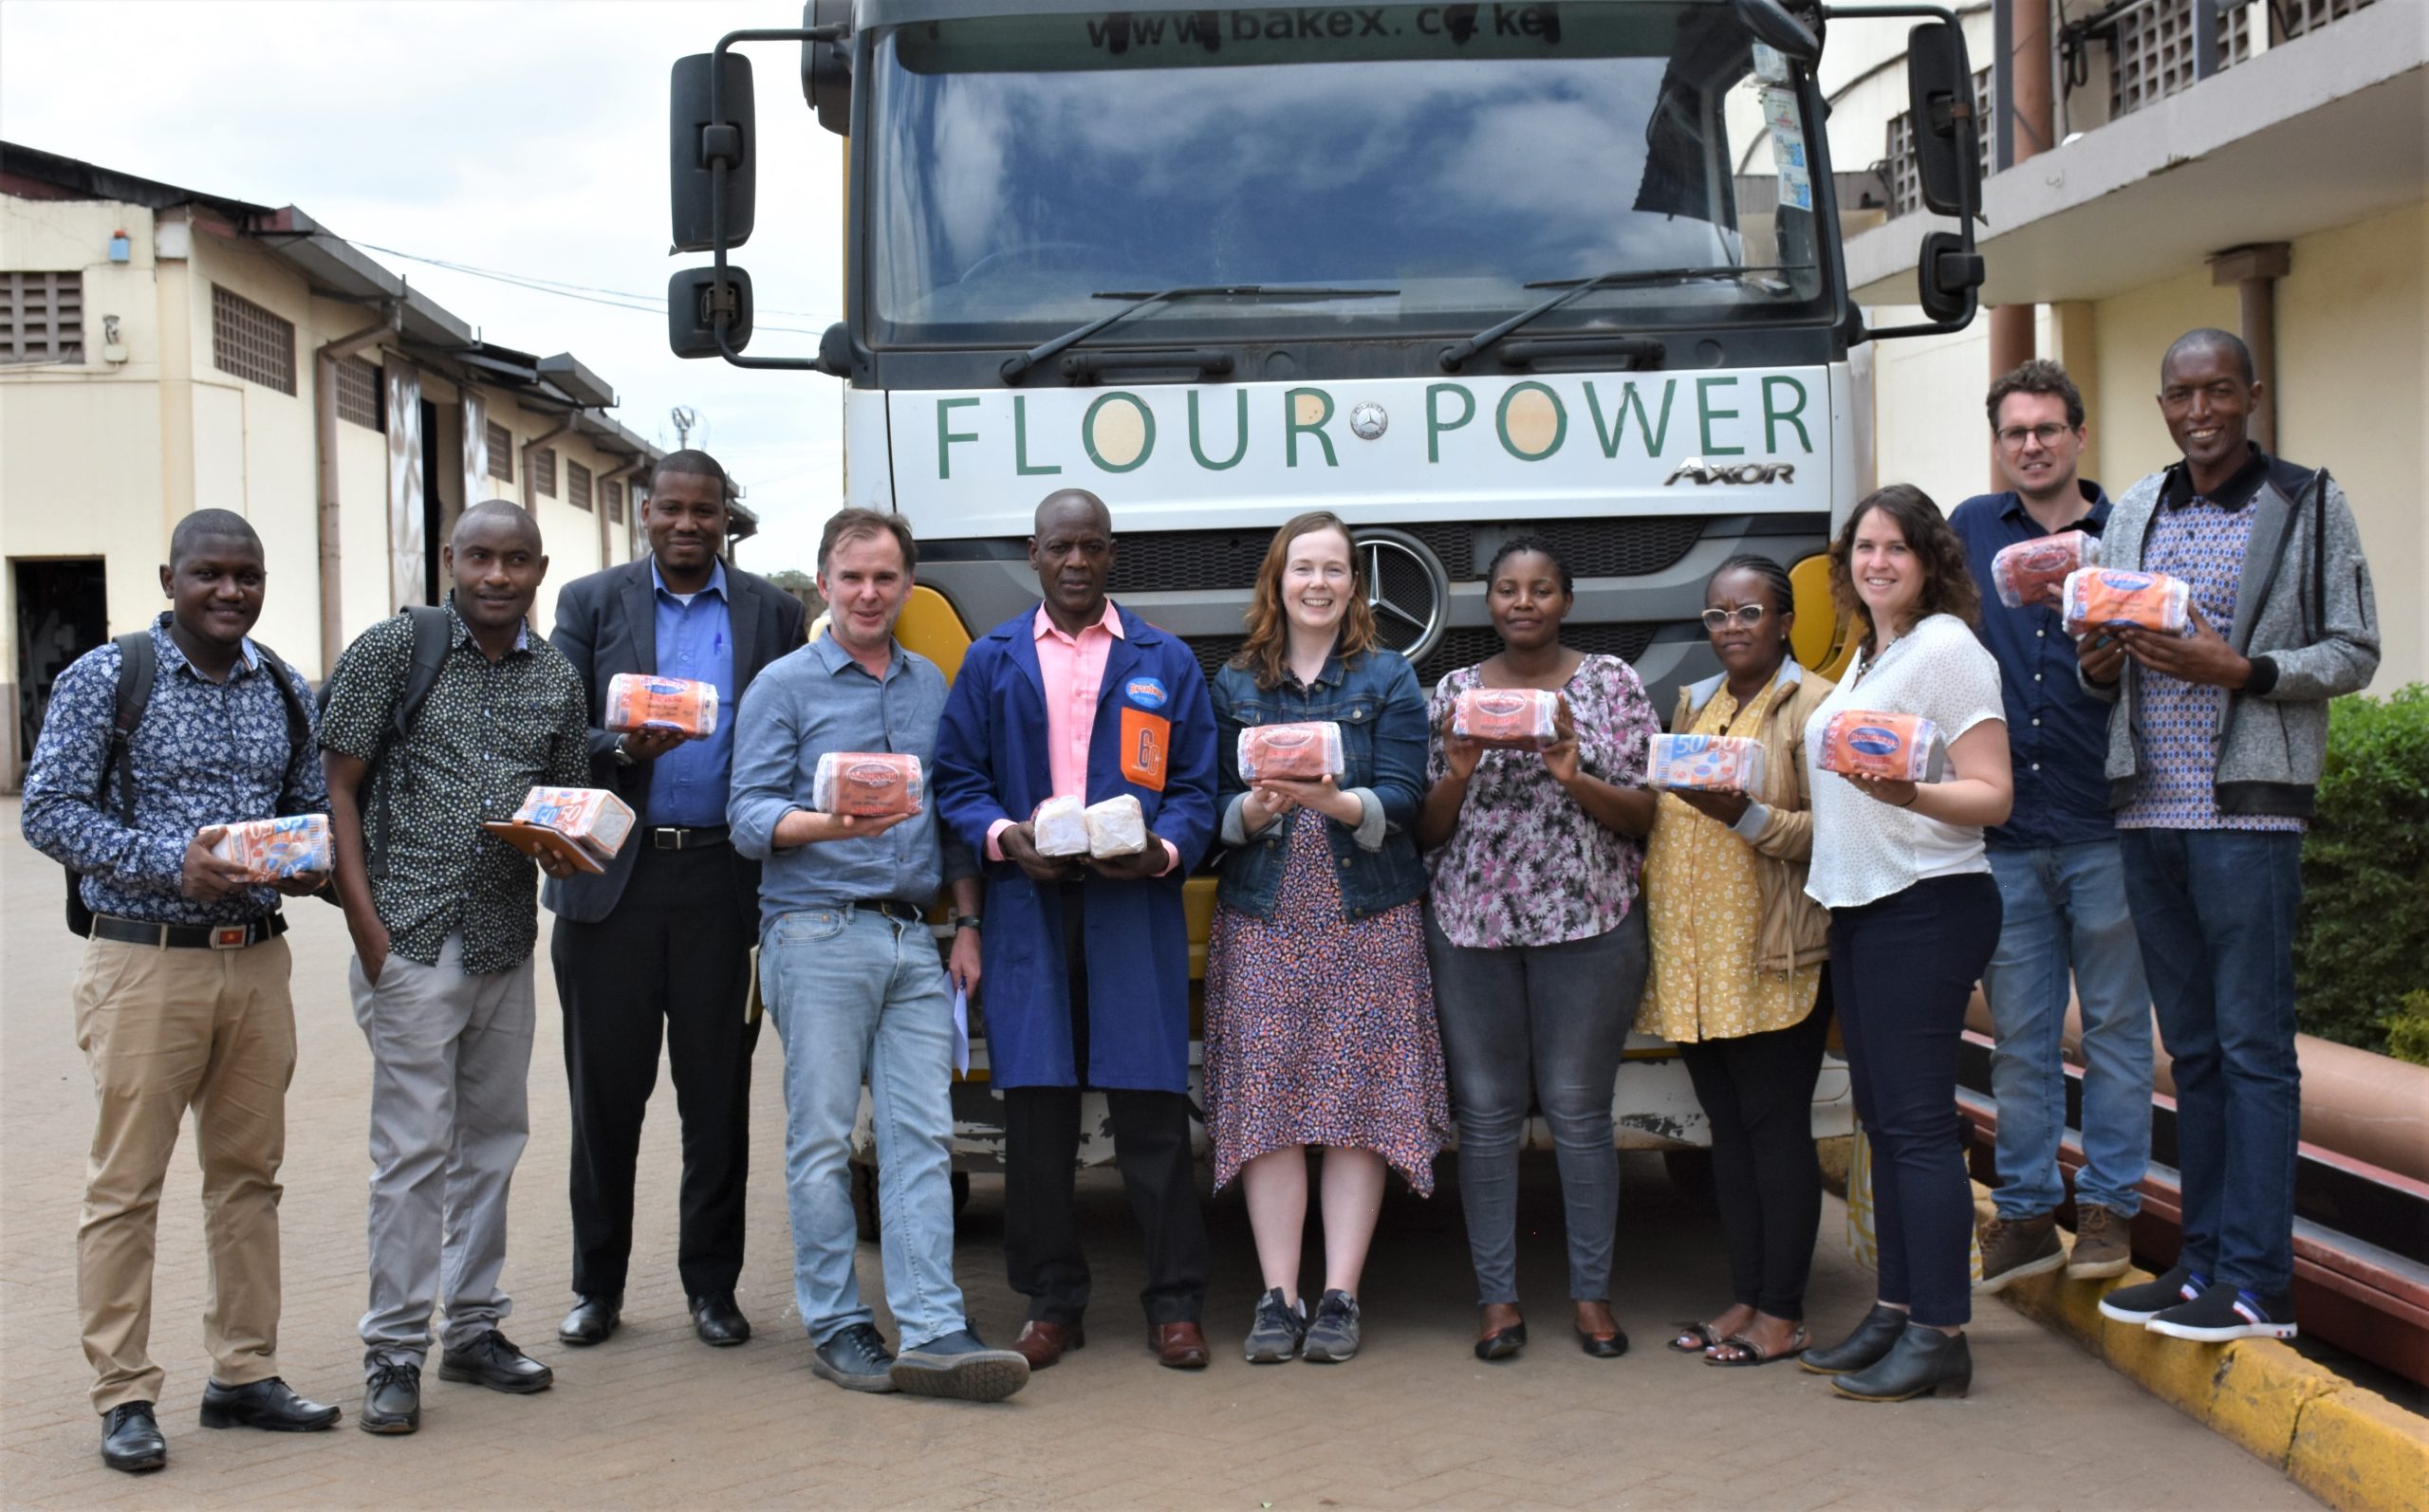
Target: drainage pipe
[(324, 448)]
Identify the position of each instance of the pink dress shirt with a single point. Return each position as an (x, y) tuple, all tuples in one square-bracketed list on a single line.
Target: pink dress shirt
[(1072, 669)]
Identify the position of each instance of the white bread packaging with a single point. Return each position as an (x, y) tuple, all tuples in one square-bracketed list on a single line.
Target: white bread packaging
[(1060, 825), (270, 849), (1118, 826), (585, 827)]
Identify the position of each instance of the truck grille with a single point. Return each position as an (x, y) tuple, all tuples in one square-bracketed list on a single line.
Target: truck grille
[(1202, 561), (1463, 646)]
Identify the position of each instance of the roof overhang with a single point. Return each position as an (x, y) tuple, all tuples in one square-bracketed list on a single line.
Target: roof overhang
[(2319, 132)]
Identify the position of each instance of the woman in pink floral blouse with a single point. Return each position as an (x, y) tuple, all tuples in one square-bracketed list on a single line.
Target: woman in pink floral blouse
[(1537, 943)]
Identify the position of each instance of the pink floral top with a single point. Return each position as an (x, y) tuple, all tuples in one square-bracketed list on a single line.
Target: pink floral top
[(1527, 865)]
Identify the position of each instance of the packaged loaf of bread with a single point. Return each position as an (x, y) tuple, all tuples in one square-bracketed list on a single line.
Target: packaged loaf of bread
[(1523, 717), (585, 827), (1118, 826), (1713, 763), (1867, 742), (270, 848), (2025, 572), (1061, 827), (2105, 598), (638, 701), (868, 784), (1302, 753)]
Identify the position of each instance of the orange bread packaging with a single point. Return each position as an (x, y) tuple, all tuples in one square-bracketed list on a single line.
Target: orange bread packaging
[(1862, 742), (1711, 763), (2099, 597), (2022, 572), (1061, 827), (269, 849), (1528, 717), (637, 701), (1295, 752), (585, 827), (870, 784)]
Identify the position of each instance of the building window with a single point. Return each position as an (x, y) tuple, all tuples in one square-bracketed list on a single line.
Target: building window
[(1906, 183), (252, 343), (359, 394), (577, 484), (2294, 17), (544, 471), (42, 316), (501, 453), (613, 494)]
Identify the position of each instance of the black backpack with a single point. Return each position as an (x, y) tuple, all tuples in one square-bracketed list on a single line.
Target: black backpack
[(430, 644)]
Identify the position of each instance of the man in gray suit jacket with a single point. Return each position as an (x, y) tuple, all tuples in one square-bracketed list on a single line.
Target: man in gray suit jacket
[(660, 943)]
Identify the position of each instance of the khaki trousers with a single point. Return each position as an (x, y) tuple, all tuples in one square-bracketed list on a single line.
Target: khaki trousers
[(166, 1030)]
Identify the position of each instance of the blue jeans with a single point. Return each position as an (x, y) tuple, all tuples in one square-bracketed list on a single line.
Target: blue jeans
[(2064, 906), (856, 994), (2216, 913)]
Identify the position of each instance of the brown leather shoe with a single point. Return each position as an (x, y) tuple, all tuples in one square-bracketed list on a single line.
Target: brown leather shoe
[(1042, 1343), (1177, 1346)]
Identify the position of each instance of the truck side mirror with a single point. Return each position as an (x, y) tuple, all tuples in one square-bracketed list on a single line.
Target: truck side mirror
[(1939, 92), (1771, 24), (826, 65), (1949, 272), (697, 304), (698, 140)]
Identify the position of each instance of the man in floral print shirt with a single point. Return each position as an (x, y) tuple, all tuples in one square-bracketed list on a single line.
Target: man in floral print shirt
[(443, 921)]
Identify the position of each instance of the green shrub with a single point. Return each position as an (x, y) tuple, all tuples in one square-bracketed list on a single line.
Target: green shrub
[(2362, 939), (2409, 1029)]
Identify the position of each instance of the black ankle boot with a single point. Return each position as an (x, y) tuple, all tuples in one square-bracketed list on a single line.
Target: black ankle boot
[(1925, 1363), (1873, 1339)]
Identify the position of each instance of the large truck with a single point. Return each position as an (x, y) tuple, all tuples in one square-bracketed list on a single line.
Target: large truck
[(1567, 268)]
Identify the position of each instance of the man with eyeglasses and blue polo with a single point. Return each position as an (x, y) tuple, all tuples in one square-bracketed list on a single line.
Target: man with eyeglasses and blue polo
[(2061, 876)]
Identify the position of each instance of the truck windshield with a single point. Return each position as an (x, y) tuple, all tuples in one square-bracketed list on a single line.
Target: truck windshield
[(1465, 156)]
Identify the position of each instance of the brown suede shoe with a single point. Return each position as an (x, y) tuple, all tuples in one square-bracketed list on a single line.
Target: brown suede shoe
[(2104, 1243), (1177, 1346), (2014, 1248), (1042, 1343)]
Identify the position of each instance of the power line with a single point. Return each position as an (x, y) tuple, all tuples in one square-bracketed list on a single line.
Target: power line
[(588, 294)]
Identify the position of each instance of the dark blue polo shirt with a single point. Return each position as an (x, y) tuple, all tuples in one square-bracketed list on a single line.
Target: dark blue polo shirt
[(2057, 734)]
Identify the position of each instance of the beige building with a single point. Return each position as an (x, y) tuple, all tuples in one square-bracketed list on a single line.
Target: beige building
[(2260, 167), (164, 350)]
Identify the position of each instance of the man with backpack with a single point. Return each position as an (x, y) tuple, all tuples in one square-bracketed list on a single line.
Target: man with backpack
[(435, 721), (152, 745)]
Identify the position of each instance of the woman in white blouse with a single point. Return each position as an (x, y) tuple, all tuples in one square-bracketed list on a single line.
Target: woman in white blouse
[(1914, 916)]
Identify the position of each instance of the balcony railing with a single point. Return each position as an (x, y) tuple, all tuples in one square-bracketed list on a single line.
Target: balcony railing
[(2151, 50)]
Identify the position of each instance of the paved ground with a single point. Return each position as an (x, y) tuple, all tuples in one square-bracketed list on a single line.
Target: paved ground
[(654, 1419)]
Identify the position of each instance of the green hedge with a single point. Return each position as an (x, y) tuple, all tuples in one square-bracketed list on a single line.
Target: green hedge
[(2361, 940)]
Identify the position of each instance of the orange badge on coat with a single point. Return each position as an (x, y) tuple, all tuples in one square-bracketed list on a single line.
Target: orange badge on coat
[(1147, 743)]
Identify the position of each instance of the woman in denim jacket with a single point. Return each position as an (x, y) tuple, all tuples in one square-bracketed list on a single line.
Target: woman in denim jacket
[(1319, 1006)]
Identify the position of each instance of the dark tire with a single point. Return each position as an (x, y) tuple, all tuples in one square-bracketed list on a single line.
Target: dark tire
[(1690, 1172), (864, 1211)]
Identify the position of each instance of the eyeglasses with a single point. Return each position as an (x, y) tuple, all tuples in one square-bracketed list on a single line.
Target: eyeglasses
[(1745, 614), (2014, 436)]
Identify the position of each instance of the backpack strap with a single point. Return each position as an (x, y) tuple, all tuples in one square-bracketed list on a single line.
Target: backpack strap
[(299, 723), (139, 666), (432, 641)]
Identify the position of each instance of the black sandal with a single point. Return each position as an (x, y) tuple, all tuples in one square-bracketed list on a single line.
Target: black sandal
[(1701, 1332), (1751, 1352)]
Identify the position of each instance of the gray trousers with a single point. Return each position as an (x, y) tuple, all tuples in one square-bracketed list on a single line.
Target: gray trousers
[(449, 1118)]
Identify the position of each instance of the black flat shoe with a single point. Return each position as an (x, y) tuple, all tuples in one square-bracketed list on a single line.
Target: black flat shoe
[(131, 1439), (593, 1320), (1925, 1363), (1604, 1346), (718, 1320), (264, 1405), (1502, 1342), (1873, 1339)]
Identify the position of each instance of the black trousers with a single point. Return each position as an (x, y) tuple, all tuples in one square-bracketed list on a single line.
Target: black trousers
[(1757, 1091), (673, 963), (1042, 1254)]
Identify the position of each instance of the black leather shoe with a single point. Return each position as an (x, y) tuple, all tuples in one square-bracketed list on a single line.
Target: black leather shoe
[(1924, 1362), (391, 1399), (593, 1320), (1873, 1339), (265, 1405), (717, 1321), (492, 1360), (131, 1439)]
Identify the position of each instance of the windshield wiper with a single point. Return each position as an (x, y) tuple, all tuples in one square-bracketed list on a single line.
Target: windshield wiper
[(1015, 366), (1577, 288)]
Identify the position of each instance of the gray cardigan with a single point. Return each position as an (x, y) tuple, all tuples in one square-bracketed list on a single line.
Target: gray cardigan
[(2305, 616)]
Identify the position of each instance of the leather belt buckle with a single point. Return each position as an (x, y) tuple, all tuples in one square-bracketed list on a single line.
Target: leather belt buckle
[(231, 936), (666, 837)]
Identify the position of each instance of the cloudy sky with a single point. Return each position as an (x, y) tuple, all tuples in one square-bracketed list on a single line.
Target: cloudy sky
[(526, 139)]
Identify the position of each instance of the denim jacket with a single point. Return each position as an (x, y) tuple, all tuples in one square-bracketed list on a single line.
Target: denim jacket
[(1374, 698)]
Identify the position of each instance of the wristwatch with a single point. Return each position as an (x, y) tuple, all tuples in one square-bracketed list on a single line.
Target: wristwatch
[(623, 757), (966, 921)]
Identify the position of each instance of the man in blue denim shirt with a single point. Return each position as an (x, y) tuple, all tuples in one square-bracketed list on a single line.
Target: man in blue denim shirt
[(850, 973), (2061, 881)]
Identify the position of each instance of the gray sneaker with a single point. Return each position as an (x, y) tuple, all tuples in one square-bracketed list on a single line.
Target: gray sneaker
[(959, 1365), (1332, 1334), (1279, 1328)]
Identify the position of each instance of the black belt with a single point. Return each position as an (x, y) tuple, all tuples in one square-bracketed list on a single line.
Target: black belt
[(893, 908), (188, 937), (670, 838)]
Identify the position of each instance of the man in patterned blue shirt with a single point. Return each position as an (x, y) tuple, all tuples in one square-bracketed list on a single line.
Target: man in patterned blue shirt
[(182, 999), (2214, 749)]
